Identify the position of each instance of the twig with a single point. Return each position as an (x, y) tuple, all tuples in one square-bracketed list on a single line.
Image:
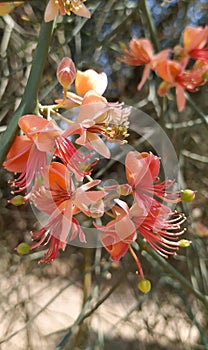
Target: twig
[(85, 315), (203, 117), (61, 290), (151, 25), (28, 103), (172, 271), (195, 156)]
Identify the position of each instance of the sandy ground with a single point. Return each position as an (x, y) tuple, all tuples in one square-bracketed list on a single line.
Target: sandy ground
[(36, 311)]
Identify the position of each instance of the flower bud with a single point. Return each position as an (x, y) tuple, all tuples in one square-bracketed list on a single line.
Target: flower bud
[(124, 190), (188, 195), (144, 286), (17, 200), (66, 72), (23, 248), (184, 243)]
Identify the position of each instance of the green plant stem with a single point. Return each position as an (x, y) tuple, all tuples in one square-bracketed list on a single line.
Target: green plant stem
[(151, 25), (197, 109), (172, 271), (29, 100), (87, 287)]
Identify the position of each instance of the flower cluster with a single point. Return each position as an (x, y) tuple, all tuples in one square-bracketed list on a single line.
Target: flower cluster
[(54, 157), (53, 8), (65, 7), (180, 71)]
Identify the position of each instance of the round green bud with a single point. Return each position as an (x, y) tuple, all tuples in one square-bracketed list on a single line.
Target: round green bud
[(144, 286), (184, 243), (17, 200), (23, 248), (188, 195)]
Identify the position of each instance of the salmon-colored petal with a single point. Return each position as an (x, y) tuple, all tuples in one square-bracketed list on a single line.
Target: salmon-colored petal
[(45, 142), (90, 184), (90, 80), (141, 168), (142, 48), (98, 145), (125, 229), (66, 221), (82, 11), (180, 98), (153, 163), (144, 76), (57, 176), (51, 11), (94, 196), (93, 107), (74, 98), (195, 38), (73, 130), (136, 168), (92, 97), (168, 70), (160, 57), (31, 123), (18, 154), (40, 130), (116, 249), (163, 88)]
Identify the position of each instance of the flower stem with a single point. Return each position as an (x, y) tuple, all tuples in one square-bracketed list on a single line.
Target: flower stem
[(139, 265), (29, 100), (150, 24), (172, 271), (197, 110), (87, 287)]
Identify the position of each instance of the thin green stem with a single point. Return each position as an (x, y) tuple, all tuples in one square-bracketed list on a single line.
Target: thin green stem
[(197, 110), (172, 271), (29, 100), (150, 23), (87, 286)]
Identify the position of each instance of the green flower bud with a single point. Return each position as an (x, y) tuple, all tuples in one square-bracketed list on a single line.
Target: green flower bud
[(23, 248), (184, 243), (144, 286), (17, 200), (188, 195)]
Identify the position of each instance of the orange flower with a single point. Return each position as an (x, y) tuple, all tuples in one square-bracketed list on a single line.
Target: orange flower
[(84, 82), (90, 80), (173, 74), (142, 170), (119, 233), (194, 40), (65, 7), (61, 200), (99, 117), (66, 72), (27, 155), (141, 53)]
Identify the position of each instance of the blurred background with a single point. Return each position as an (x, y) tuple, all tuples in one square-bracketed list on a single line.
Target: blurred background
[(41, 306)]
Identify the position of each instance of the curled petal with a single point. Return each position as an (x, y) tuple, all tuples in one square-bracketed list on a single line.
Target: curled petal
[(90, 80)]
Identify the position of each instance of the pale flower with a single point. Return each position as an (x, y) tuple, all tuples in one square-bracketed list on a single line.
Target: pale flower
[(65, 7)]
